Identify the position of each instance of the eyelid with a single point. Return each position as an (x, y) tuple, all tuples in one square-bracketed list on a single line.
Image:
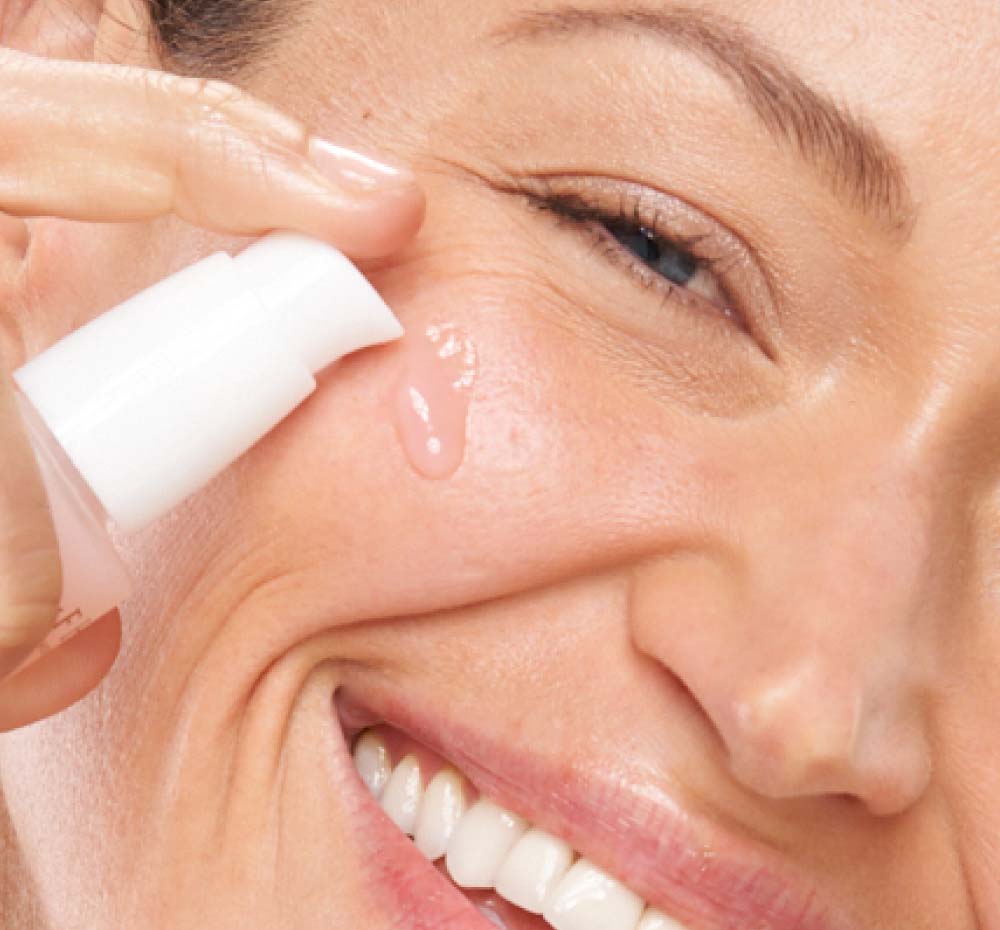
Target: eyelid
[(600, 224), (605, 198)]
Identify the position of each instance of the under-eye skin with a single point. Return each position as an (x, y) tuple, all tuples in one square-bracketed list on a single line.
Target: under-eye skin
[(664, 246)]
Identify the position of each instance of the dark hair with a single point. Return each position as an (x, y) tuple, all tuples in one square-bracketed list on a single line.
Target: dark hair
[(215, 37)]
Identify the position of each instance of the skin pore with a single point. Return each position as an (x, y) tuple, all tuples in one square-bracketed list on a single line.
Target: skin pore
[(730, 535)]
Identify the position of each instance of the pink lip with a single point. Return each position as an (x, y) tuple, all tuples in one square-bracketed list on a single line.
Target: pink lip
[(681, 863)]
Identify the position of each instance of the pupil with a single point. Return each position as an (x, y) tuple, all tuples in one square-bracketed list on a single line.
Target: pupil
[(676, 265)]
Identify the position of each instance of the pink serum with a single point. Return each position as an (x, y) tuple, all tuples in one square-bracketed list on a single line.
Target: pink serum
[(431, 399)]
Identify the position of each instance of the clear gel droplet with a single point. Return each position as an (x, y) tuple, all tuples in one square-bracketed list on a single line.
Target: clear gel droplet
[(431, 401)]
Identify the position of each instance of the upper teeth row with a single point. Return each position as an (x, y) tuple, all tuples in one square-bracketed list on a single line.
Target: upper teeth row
[(486, 846)]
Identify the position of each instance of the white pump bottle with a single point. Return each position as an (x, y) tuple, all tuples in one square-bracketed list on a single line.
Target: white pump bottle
[(141, 407)]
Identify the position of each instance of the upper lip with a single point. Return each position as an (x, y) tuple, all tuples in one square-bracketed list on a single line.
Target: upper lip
[(681, 862)]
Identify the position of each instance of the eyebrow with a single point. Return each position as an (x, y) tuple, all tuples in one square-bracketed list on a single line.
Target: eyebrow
[(861, 167)]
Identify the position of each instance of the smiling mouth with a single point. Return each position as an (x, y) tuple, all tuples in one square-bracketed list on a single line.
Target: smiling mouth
[(493, 855), (532, 843)]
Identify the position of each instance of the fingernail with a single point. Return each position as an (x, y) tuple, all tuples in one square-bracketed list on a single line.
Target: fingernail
[(355, 172)]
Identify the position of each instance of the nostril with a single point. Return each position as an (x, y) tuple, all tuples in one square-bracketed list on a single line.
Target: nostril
[(775, 770)]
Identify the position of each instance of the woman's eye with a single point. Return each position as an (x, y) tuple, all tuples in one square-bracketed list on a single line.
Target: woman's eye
[(665, 261), (662, 244), (671, 261)]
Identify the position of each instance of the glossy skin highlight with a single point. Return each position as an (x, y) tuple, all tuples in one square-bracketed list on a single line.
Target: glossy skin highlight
[(431, 400), (745, 570)]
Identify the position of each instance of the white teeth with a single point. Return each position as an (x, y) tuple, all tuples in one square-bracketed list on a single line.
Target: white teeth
[(401, 798), (486, 846), (532, 869), (589, 899), (371, 759), (481, 841), (440, 812), (657, 920)]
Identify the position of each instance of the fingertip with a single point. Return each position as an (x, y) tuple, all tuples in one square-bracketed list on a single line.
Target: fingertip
[(377, 225)]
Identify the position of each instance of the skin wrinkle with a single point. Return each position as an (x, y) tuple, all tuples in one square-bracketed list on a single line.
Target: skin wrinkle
[(862, 166), (510, 589)]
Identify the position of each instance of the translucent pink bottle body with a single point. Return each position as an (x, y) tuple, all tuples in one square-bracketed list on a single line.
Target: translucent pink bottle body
[(94, 578)]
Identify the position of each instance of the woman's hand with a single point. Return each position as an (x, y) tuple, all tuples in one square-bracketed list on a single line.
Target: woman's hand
[(110, 143)]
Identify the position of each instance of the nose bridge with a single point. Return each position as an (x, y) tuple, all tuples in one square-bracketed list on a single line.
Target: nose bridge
[(852, 548)]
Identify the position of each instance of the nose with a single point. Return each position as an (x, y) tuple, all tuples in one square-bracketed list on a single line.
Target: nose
[(804, 635)]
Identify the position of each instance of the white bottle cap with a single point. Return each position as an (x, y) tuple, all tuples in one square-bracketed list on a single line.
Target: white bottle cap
[(154, 398)]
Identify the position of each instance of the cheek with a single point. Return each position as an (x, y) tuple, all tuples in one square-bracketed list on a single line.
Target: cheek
[(562, 471), (568, 470)]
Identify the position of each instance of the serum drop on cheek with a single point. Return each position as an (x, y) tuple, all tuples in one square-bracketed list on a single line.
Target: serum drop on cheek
[(144, 405), (431, 399)]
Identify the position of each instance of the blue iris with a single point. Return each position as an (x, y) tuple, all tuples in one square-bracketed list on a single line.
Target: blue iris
[(675, 264)]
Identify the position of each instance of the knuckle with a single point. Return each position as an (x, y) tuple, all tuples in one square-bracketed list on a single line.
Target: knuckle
[(211, 99), (211, 110), (193, 101), (217, 106), (223, 141)]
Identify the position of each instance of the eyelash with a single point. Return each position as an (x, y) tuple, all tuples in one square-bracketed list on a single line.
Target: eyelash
[(632, 215)]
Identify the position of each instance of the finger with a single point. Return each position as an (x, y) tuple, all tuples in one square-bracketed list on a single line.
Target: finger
[(113, 143), (61, 677), (30, 571)]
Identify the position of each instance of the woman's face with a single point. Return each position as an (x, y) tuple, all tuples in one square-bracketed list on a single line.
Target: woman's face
[(703, 577)]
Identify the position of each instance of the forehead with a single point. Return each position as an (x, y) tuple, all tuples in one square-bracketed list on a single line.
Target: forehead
[(926, 74), (946, 53)]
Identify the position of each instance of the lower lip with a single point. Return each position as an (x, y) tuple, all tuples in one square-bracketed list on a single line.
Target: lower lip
[(416, 892)]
